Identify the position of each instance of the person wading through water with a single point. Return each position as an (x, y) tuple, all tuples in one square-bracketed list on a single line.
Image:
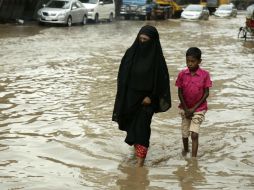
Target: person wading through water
[(143, 89)]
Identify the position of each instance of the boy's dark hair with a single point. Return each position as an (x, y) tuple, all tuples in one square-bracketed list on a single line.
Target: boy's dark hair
[(194, 52)]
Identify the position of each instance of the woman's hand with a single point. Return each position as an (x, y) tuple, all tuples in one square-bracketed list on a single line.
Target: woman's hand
[(147, 101)]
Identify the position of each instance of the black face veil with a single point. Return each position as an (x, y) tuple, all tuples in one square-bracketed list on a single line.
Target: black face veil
[(141, 75), (143, 67)]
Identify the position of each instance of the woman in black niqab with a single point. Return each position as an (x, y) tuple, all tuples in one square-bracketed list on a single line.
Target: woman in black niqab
[(142, 89)]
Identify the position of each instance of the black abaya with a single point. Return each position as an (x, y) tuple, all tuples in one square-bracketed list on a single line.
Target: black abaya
[(142, 73)]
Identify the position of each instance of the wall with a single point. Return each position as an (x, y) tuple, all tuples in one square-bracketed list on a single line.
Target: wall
[(10, 10)]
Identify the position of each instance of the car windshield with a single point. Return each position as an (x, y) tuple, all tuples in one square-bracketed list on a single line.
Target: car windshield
[(59, 4), (225, 7), (194, 8), (89, 1), (250, 11)]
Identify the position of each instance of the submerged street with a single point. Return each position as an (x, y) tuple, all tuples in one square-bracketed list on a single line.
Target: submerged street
[(57, 89)]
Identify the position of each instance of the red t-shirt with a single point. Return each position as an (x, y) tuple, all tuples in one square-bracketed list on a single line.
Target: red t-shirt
[(194, 87)]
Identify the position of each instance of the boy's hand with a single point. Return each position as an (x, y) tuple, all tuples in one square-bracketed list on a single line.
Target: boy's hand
[(189, 113), (146, 101)]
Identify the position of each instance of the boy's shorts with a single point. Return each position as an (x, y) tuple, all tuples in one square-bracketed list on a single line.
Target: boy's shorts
[(193, 124)]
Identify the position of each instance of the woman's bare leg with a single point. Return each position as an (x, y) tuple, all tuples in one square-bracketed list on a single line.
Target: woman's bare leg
[(140, 162)]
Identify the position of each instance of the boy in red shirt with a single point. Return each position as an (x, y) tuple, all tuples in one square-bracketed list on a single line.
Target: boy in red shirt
[(193, 89)]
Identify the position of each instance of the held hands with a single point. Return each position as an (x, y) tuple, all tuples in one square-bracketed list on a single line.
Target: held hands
[(189, 113), (147, 101)]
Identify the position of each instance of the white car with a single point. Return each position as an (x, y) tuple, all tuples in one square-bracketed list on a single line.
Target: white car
[(226, 10), (195, 12), (63, 12), (100, 9)]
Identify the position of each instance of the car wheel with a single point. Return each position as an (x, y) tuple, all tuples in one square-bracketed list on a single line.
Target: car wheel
[(142, 17), (84, 21), (110, 19), (148, 16), (69, 21), (96, 18), (127, 17), (205, 17), (166, 15), (41, 23)]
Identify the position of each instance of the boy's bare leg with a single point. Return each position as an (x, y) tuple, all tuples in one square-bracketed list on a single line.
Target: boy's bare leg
[(194, 138), (185, 146), (140, 161)]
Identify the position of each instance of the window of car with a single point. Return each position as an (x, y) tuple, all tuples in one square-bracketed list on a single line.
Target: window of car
[(59, 4), (194, 8), (107, 1), (225, 7), (79, 4), (74, 6), (89, 1)]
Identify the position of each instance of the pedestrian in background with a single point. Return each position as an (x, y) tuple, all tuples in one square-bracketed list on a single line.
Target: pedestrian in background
[(193, 89), (142, 90)]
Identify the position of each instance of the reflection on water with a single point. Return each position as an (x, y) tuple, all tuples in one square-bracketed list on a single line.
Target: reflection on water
[(57, 88), (135, 178), (190, 176)]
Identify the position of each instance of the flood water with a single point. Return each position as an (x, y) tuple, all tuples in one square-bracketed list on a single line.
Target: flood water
[(57, 89)]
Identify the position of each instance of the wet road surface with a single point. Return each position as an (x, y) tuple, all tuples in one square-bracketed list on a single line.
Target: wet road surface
[(57, 89)]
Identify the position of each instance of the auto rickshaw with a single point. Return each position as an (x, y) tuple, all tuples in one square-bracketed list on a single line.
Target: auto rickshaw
[(248, 30)]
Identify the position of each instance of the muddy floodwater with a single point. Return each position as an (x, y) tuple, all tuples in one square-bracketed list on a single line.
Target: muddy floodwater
[(57, 89)]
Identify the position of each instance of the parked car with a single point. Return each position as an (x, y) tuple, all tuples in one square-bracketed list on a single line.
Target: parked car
[(226, 10), (63, 12), (100, 9), (195, 12)]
